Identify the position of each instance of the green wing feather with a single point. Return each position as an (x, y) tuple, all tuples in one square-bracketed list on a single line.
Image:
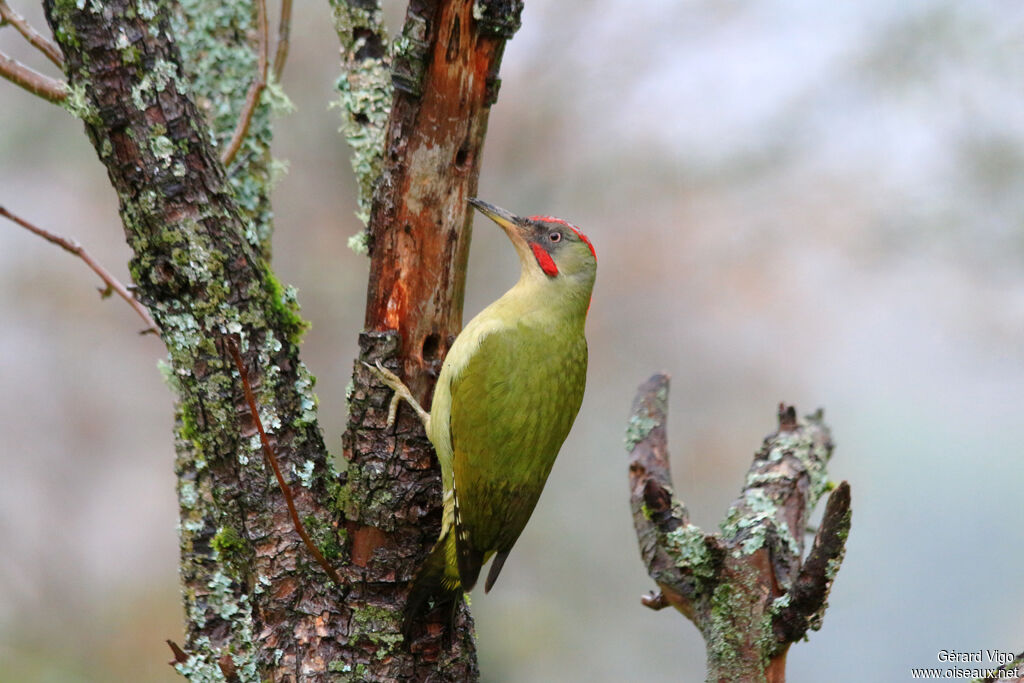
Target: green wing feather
[(512, 406)]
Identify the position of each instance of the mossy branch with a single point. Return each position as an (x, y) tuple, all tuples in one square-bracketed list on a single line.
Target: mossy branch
[(748, 588), (252, 96), (364, 95)]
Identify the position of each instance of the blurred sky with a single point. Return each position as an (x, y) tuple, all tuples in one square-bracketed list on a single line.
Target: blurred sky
[(819, 203)]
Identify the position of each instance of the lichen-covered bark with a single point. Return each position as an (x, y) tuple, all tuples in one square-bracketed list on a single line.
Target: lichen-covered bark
[(257, 609), (364, 96), (748, 589), (219, 57)]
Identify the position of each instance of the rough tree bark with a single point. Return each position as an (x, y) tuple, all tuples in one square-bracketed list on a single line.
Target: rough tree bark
[(748, 589), (257, 606)]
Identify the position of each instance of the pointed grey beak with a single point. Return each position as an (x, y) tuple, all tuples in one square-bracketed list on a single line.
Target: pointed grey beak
[(510, 223), (500, 216)]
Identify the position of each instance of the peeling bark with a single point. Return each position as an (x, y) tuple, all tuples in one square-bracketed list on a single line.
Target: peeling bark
[(420, 227)]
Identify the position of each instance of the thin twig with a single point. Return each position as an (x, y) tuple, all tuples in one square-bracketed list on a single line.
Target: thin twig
[(78, 250), (284, 30), (33, 36), (269, 454), (252, 98), (49, 89)]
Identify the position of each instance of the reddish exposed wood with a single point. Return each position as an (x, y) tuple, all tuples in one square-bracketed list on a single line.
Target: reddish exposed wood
[(365, 540), (419, 227)]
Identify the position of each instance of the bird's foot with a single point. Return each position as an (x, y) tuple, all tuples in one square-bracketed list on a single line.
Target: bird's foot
[(395, 383)]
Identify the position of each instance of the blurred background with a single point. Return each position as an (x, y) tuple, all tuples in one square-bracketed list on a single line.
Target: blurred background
[(817, 203)]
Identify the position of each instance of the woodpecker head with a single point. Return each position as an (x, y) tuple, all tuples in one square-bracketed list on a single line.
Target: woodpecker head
[(548, 247)]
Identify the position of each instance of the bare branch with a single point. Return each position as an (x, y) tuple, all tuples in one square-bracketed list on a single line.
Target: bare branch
[(49, 89), (284, 30), (78, 250), (252, 98), (38, 40), (271, 456)]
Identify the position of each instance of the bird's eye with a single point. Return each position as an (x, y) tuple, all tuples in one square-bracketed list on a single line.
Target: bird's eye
[(555, 236)]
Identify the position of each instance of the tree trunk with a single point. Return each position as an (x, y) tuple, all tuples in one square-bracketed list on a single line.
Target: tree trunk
[(257, 607), (419, 231)]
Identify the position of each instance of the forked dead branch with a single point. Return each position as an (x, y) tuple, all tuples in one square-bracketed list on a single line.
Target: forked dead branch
[(747, 588)]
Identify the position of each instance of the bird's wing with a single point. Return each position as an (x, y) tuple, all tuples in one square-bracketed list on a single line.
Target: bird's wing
[(511, 408)]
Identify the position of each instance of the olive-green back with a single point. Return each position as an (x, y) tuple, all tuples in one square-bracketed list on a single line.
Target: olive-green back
[(511, 409)]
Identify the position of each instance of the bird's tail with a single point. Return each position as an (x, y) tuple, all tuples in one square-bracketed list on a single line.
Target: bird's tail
[(437, 584)]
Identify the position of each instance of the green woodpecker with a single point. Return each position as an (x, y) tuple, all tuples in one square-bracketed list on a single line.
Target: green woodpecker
[(507, 395)]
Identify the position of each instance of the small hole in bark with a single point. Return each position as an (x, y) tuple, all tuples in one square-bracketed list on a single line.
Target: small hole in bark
[(431, 345)]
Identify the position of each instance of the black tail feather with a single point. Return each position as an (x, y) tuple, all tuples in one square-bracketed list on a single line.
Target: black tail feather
[(496, 565), (429, 592), (470, 561)]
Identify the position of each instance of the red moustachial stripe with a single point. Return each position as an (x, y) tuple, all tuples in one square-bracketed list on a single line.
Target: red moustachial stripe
[(552, 219), (544, 260)]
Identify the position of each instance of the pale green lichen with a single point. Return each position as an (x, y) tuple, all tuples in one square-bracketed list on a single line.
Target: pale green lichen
[(305, 474), (688, 549), (638, 429), (379, 626), (147, 9), (360, 243), (222, 601), (188, 496), (261, 585), (364, 95), (201, 666), (221, 68), (162, 148), (754, 520), (813, 455), (738, 630), (154, 80), (193, 525), (77, 102)]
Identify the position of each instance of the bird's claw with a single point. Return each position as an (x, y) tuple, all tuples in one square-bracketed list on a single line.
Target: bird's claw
[(395, 383)]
